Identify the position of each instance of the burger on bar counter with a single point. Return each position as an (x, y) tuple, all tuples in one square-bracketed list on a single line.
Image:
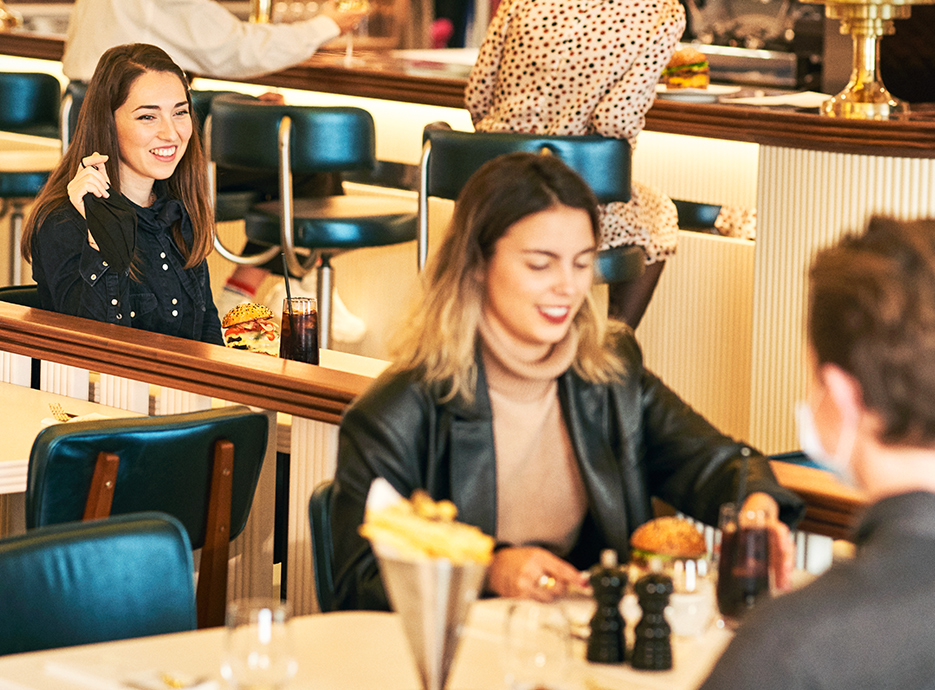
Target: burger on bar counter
[(688, 69)]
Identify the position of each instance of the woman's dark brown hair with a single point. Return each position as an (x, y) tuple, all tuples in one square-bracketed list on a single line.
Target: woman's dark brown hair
[(96, 131), (872, 313)]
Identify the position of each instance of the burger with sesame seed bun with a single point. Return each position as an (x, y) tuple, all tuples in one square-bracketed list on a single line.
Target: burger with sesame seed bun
[(251, 327)]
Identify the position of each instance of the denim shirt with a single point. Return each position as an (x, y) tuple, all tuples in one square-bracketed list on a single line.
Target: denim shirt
[(167, 298)]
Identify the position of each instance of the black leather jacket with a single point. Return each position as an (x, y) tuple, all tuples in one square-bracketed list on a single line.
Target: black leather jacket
[(634, 439)]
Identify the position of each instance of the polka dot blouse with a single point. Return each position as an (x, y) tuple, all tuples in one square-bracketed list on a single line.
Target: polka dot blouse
[(582, 67)]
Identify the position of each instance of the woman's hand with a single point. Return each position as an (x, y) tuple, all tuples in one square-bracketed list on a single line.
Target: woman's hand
[(91, 176), (532, 572), (782, 548)]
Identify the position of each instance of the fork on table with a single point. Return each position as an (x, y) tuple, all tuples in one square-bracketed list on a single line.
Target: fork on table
[(59, 413)]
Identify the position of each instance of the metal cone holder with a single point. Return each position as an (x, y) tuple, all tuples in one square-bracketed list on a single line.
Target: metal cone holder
[(432, 597)]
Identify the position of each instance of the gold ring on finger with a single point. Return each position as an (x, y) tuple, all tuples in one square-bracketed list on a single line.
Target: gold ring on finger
[(546, 582)]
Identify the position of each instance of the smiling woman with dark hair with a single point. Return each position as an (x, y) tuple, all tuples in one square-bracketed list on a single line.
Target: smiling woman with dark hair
[(513, 399), (121, 229)]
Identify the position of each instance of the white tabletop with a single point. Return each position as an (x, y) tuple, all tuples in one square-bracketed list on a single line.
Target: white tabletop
[(351, 651), (25, 412)]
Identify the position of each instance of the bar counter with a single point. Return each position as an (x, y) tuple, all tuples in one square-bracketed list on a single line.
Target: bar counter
[(381, 76)]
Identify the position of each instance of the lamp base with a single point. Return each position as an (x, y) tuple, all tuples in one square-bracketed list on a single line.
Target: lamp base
[(869, 102)]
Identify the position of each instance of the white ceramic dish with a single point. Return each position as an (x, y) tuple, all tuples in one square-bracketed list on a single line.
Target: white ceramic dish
[(708, 95)]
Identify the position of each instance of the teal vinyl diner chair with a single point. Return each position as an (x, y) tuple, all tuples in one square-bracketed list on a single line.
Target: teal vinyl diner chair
[(319, 518), (80, 583), (253, 135), (29, 104), (450, 157), (201, 467)]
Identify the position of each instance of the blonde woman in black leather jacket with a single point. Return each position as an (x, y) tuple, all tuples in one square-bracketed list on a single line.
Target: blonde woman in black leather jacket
[(512, 398)]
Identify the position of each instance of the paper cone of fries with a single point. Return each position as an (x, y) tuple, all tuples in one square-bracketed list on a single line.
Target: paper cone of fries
[(432, 569), (432, 597)]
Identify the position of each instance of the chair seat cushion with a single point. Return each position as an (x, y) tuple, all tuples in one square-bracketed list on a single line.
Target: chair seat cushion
[(337, 222), (21, 184)]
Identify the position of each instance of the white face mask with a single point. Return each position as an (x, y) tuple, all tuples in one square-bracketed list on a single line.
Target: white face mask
[(839, 462)]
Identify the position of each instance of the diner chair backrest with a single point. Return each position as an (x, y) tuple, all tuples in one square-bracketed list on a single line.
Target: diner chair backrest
[(201, 467), (80, 583), (450, 157), (245, 135), (29, 103), (319, 518)]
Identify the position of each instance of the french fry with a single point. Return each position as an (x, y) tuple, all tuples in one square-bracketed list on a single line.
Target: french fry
[(423, 528)]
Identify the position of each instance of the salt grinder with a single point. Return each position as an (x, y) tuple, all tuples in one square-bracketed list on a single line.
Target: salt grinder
[(606, 641), (652, 650)]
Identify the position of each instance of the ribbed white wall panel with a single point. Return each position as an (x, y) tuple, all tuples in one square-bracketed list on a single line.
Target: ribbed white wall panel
[(64, 380), (173, 401), (314, 453), (126, 394), (807, 200), (15, 368), (697, 169), (696, 332)]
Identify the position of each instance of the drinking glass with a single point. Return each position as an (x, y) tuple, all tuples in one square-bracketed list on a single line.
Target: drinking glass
[(299, 333), (258, 652), (351, 6), (538, 646), (743, 562)]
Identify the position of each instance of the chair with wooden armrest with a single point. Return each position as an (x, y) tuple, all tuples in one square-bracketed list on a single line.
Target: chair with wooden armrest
[(319, 518), (450, 157), (80, 583), (201, 467)]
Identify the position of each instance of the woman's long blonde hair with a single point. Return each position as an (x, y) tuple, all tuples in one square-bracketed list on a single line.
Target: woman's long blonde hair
[(438, 339), (96, 131)]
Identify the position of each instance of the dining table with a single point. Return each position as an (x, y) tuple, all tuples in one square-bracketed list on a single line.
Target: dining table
[(357, 650), (24, 413)]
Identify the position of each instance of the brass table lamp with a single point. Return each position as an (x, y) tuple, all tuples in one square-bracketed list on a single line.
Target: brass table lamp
[(865, 97)]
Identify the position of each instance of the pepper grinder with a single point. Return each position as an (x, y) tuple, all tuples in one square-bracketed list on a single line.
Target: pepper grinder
[(606, 641), (652, 650)]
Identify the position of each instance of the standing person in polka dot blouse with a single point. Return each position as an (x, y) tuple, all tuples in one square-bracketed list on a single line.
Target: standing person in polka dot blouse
[(575, 67)]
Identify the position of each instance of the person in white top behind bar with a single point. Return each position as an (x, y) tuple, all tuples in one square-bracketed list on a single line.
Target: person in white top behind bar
[(202, 36)]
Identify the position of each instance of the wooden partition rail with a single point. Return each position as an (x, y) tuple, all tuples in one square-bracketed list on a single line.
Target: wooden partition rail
[(243, 377)]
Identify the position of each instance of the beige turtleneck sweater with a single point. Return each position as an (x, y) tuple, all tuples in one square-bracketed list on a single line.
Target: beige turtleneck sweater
[(540, 496)]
